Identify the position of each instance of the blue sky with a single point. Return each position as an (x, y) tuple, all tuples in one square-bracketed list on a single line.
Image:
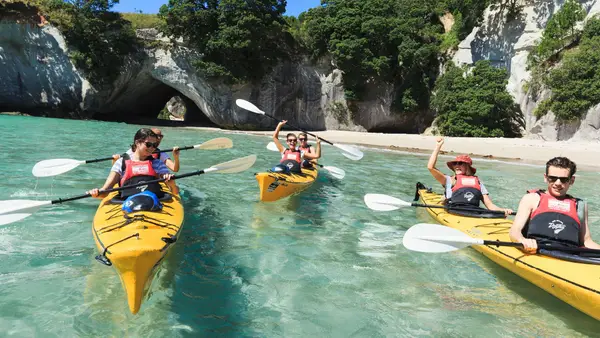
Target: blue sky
[(294, 7)]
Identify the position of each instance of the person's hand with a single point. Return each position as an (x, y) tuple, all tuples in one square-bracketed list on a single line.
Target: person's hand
[(318, 139), (167, 177), (175, 151), (529, 245), (439, 142), (282, 122), (116, 157), (94, 192), (507, 212)]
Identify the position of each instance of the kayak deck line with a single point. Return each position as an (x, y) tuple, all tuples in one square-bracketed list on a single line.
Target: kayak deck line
[(515, 259), (575, 283)]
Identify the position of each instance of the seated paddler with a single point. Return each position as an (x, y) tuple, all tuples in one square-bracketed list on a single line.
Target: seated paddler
[(292, 157), (137, 167), (462, 189), (552, 215)]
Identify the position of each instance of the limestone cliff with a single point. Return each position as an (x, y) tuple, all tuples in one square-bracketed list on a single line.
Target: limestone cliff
[(37, 77), (505, 37)]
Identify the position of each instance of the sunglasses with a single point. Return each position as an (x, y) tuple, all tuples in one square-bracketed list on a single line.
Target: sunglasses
[(292, 140), (151, 145), (159, 136), (458, 163), (553, 179), (302, 139)]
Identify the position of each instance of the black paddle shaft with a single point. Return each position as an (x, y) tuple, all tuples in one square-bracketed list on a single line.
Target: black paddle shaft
[(459, 208), (547, 246), (156, 152), (298, 128), (62, 200)]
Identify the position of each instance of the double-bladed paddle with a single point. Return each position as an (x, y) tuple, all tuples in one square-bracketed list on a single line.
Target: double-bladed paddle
[(426, 237), (59, 166), (15, 210), (334, 171), (349, 151), (381, 202)]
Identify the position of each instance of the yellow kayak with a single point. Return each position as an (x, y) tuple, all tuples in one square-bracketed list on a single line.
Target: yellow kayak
[(275, 186), (136, 243), (577, 284)]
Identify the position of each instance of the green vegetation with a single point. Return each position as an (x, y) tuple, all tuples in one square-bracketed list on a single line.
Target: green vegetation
[(476, 104), (394, 42), (575, 85), (571, 74), (559, 33), (240, 40), (141, 20)]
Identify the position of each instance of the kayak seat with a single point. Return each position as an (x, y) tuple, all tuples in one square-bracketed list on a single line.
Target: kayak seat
[(166, 198)]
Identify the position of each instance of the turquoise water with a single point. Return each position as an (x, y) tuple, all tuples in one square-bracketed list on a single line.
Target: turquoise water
[(317, 264)]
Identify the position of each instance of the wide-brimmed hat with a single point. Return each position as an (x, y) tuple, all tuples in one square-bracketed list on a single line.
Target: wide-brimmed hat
[(462, 158)]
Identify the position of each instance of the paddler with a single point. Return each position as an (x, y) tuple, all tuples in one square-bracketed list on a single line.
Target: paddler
[(292, 157), (552, 215), (164, 157), (306, 148), (138, 167), (463, 189)]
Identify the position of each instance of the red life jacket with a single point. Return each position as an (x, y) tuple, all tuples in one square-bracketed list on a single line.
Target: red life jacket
[(292, 159), (294, 155), (555, 219), (306, 150), (136, 172), (466, 191)]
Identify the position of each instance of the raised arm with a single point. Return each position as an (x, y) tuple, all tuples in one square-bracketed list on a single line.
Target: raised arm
[(173, 165), (276, 136), (438, 175), (317, 154)]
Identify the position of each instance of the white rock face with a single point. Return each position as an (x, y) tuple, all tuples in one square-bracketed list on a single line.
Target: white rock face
[(36, 74), (507, 43), (38, 77)]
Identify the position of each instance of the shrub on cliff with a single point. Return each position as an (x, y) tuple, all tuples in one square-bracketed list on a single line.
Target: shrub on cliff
[(575, 85), (240, 40), (474, 102)]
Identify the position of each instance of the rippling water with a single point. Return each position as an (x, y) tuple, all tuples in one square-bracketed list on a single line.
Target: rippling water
[(317, 264)]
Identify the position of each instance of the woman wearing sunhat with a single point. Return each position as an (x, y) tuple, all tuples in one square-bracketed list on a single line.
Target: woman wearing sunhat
[(464, 188)]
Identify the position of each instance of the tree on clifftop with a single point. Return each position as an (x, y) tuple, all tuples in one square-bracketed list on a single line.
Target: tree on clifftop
[(239, 39), (390, 41)]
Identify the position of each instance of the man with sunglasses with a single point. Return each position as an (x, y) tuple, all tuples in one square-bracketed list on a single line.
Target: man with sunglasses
[(292, 157), (164, 157), (552, 215)]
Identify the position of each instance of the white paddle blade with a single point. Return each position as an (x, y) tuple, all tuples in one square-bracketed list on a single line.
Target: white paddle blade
[(15, 210), (335, 172), (54, 167), (11, 218), (349, 151), (233, 166), (381, 202), (272, 146), (216, 143), (248, 106), (425, 237)]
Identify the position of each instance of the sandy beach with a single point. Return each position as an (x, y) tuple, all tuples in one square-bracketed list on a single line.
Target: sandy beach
[(585, 154)]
